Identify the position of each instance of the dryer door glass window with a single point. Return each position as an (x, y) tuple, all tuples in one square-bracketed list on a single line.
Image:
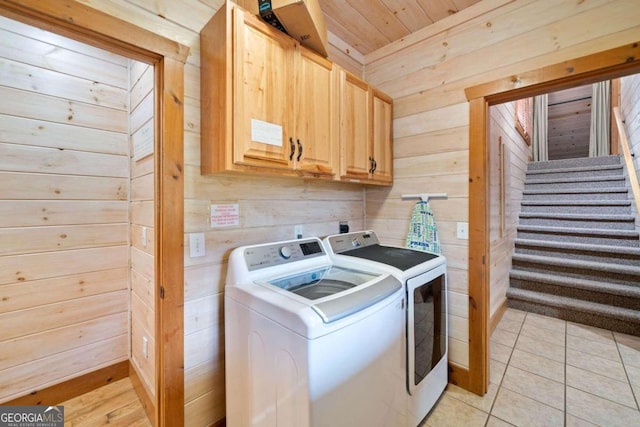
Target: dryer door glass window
[(429, 327)]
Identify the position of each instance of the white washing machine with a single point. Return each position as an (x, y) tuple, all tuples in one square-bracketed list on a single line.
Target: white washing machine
[(309, 343), (424, 279)]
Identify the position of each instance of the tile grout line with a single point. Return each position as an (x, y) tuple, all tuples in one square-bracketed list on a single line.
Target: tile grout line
[(624, 367), (505, 371)]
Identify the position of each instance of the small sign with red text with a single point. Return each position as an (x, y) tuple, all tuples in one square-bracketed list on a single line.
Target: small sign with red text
[(227, 215)]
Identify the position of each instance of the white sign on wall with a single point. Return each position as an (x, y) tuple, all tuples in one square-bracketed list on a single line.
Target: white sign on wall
[(227, 215)]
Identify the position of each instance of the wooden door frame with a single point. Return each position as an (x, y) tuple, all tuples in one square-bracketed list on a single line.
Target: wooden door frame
[(85, 24), (589, 69)]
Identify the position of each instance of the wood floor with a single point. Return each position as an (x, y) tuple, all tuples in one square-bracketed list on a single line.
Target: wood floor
[(114, 405)]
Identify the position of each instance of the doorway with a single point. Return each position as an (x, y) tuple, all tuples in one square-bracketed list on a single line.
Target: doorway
[(606, 65), (81, 23)]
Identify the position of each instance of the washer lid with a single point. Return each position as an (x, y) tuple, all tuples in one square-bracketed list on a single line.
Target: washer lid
[(328, 286), (323, 282), (397, 257)]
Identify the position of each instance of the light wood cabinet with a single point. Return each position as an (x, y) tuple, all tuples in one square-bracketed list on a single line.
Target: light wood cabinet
[(366, 133), (271, 106), (268, 104)]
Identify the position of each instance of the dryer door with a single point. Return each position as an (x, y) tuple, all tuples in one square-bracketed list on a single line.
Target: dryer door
[(426, 324)]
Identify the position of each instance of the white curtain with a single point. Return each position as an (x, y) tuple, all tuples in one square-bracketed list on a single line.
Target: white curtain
[(600, 119), (539, 142)]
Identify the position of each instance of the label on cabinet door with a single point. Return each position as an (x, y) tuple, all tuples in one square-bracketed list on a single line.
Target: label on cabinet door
[(266, 133)]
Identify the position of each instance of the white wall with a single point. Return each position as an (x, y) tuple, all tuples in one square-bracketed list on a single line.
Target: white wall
[(630, 110), (502, 232)]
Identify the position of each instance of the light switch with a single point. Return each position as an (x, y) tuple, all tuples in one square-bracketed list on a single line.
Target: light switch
[(196, 245), (463, 231)]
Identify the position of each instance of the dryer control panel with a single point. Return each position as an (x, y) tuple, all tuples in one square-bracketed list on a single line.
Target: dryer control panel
[(263, 256)]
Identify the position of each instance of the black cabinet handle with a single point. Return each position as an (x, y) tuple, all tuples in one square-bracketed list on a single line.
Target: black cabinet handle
[(370, 164), (375, 166), (299, 150), (293, 148)]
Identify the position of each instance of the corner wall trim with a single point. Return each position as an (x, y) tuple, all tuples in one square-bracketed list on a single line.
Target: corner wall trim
[(148, 403), (74, 387), (458, 376)]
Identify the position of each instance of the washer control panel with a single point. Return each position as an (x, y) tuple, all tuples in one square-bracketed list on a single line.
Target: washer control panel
[(344, 242), (263, 256)]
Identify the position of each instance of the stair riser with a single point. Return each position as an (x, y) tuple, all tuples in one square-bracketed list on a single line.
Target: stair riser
[(610, 183), (590, 256), (627, 242), (586, 195), (574, 174), (596, 320), (575, 163), (596, 210), (553, 222), (581, 294), (572, 272)]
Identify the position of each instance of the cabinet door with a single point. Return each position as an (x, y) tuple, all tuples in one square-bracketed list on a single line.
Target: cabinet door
[(382, 137), (315, 113), (263, 85), (355, 138)]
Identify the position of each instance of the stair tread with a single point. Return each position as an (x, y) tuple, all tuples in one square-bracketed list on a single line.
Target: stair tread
[(576, 263), (577, 179), (587, 216), (579, 246), (576, 230), (588, 162), (573, 169), (585, 202), (573, 282), (577, 190), (576, 304)]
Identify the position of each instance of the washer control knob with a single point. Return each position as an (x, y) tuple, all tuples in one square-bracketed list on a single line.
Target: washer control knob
[(355, 243), (285, 252)]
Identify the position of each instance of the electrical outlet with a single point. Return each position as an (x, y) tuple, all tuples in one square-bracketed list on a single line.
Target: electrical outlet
[(297, 231), (145, 347), (143, 237), (196, 245), (463, 231)]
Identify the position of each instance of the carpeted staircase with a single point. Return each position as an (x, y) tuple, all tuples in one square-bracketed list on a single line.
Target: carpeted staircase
[(577, 251)]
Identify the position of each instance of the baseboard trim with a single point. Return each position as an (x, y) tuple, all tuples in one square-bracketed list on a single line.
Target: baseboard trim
[(459, 376), (497, 317), (148, 403), (74, 387)]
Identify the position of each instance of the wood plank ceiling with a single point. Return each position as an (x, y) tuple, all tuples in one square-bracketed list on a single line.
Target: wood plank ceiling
[(368, 25)]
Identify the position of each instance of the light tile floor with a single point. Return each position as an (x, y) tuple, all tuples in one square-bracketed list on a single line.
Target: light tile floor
[(548, 372)]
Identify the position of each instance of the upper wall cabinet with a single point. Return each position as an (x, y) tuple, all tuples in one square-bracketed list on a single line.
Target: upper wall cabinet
[(268, 104), (366, 136)]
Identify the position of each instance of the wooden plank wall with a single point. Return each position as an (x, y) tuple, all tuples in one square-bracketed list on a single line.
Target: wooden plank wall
[(142, 222), (512, 162), (426, 74), (569, 123), (269, 209), (64, 210), (630, 110)]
